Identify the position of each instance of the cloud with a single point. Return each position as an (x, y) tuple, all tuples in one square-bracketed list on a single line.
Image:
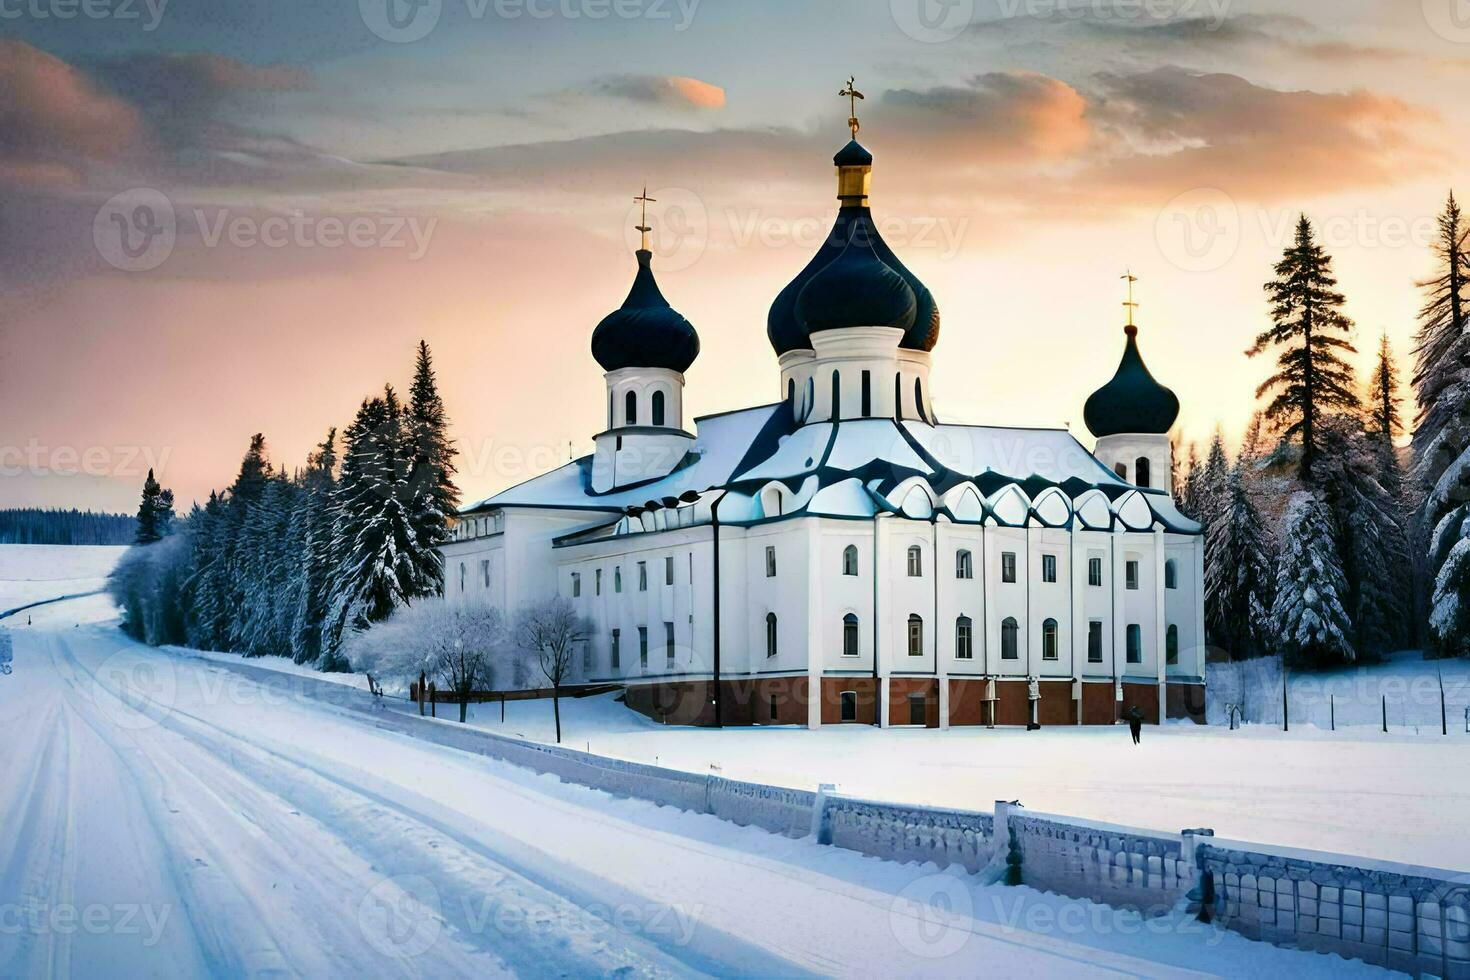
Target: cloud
[(56, 123), (1003, 115), (673, 91)]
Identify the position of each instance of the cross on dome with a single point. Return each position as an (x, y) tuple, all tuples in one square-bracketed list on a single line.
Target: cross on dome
[(851, 94)]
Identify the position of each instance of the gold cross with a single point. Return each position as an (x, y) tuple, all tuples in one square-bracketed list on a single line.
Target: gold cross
[(1130, 305), (851, 94), (642, 225)]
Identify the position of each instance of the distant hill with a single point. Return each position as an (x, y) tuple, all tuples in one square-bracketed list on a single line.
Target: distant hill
[(37, 526)]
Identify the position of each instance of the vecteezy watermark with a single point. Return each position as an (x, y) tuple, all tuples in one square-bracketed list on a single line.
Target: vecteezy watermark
[(678, 224), (1034, 913), (406, 21), (148, 12), (35, 459), (941, 236), (932, 916), (131, 690), (38, 918), (401, 916), (1450, 19), (137, 230), (1199, 230), (932, 21)]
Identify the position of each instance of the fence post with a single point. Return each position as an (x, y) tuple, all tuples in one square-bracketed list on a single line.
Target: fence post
[(1385, 714), (821, 822), (423, 681), (1201, 897)]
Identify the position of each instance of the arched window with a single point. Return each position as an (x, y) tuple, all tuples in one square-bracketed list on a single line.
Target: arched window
[(1140, 471), (1008, 630), (1134, 644), (867, 394), (771, 502), (1171, 574), (1121, 469), (849, 560), (836, 395), (658, 408), (898, 397), (770, 634), (916, 562), (630, 408), (849, 635), (919, 399), (916, 635), (964, 565), (964, 639), (1049, 640), (1171, 645)]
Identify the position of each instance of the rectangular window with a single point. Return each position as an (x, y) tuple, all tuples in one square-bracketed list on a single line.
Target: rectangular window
[(867, 394), (1007, 566), (964, 643), (669, 570), (771, 706), (916, 636), (597, 582), (669, 643), (1094, 572), (617, 578), (1094, 642), (643, 576), (770, 561), (1130, 576), (1048, 568), (1135, 643), (643, 647), (964, 566), (1049, 640), (576, 585), (485, 572), (916, 562), (849, 705), (617, 649)]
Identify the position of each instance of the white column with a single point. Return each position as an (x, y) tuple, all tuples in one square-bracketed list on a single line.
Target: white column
[(1200, 650), (815, 618), (1160, 619), (941, 663), (882, 628), (1120, 615), (1078, 563)]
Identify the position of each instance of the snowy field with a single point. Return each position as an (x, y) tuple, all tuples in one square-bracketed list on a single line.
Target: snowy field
[(36, 572)]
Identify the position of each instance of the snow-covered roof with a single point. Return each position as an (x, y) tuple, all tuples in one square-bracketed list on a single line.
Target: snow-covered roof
[(772, 468)]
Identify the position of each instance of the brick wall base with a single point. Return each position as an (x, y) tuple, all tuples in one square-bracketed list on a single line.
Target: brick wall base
[(1187, 701)]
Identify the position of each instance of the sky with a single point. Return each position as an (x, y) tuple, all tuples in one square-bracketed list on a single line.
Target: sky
[(224, 217)]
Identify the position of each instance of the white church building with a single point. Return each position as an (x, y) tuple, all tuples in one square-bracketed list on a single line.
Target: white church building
[(843, 555)]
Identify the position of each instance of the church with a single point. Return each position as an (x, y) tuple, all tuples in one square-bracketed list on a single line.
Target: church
[(844, 555)]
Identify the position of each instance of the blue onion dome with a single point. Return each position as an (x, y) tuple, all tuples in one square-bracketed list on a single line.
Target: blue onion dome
[(645, 331), (1133, 402), (784, 328), (857, 289)]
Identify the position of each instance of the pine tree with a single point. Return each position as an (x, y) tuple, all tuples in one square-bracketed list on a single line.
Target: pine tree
[(1238, 579), (1189, 498), (1213, 478), (1308, 618), (155, 512), (314, 518), (1310, 331), (1250, 443), (434, 498), (373, 534)]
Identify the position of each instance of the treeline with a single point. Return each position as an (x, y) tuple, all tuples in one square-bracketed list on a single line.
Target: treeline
[(1323, 541), (30, 525), (288, 564)]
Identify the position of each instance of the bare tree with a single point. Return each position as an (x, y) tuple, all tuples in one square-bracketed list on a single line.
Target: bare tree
[(455, 643), (551, 630)]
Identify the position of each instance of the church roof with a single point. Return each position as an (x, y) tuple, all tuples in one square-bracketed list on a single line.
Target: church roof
[(856, 289), (1132, 402), (645, 331), (853, 469)]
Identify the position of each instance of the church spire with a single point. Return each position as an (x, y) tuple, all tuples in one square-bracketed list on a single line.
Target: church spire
[(644, 200)]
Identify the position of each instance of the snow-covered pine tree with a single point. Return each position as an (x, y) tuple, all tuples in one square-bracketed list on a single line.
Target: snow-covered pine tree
[(264, 554), (207, 624), (1369, 531), (434, 499), (312, 585), (1441, 443), (155, 512), (373, 533), (1239, 582), (1213, 478), (1310, 332), (1308, 617), (1189, 496)]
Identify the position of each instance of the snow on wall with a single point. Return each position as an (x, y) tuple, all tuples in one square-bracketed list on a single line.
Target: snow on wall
[(1416, 920), (1401, 916)]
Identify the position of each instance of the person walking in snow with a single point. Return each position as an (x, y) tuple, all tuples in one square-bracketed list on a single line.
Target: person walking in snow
[(1135, 722)]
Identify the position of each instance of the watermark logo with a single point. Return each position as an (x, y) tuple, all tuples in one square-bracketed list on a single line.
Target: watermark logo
[(932, 21), (130, 691), (679, 223), (930, 917), (401, 21), (135, 231), (1199, 230), (401, 917), (1450, 19)]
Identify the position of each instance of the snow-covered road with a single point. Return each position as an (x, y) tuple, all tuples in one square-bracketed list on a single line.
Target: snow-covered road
[(164, 816)]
